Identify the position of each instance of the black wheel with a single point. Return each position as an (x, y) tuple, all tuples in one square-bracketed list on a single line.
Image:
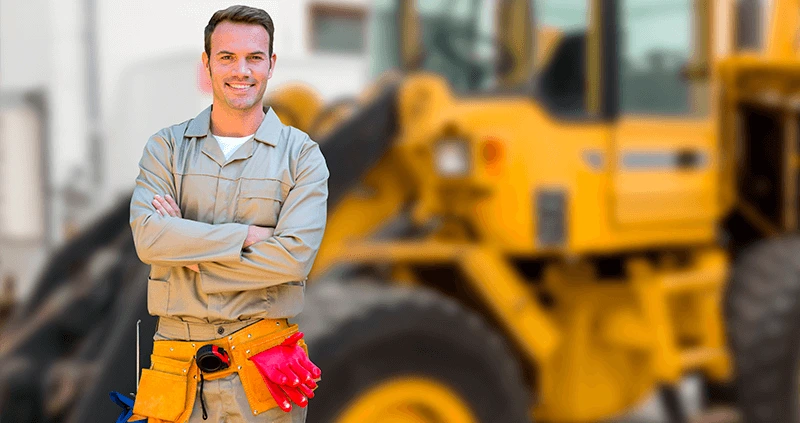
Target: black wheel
[(763, 328), (398, 354)]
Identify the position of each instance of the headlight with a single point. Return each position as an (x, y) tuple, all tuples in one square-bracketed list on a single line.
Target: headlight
[(452, 157)]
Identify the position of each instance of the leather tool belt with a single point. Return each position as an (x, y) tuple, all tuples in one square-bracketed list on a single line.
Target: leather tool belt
[(167, 390)]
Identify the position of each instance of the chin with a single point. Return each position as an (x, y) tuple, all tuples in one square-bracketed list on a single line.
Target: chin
[(242, 105)]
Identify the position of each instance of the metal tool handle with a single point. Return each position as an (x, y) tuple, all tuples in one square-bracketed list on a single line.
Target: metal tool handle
[(138, 351)]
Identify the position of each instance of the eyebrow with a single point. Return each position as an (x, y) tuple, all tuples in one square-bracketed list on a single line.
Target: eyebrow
[(249, 54)]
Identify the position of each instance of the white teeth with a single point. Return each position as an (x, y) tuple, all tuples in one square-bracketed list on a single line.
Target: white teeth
[(239, 86)]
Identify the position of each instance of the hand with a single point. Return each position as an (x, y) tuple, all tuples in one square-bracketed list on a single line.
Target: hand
[(257, 234), (166, 206), (288, 373)]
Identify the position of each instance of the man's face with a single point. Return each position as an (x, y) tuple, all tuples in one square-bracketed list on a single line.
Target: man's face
[(240, 65)]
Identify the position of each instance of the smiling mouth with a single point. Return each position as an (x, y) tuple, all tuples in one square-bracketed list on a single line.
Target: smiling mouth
[(239, 87)]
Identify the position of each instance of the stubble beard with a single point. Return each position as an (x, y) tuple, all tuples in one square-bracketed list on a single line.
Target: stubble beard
[(238, 103)]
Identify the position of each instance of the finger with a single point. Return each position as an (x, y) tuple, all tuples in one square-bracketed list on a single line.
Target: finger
[(316, 372), (159, 209), (303, 373), (172, 212), (279, 395), (173, 204), (276, 376), (161, 205), (311, 384), (292, 340), (295, 395), (293, 378), (306, 390)]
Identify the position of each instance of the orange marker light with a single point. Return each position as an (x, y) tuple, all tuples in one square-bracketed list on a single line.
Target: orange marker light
[(493, 154)]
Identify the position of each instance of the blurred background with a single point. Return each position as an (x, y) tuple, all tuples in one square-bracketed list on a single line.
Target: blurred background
[(84, 83)]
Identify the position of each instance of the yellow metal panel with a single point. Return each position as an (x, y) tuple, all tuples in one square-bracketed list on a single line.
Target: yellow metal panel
[(667, 358), (718, 366), (619, 338), (604, 364), (626, 328), (381, 197), (654, 192), (783, 35), (506, 294), (403, 252), (295, 104)]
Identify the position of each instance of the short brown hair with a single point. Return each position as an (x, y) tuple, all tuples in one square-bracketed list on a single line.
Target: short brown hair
[(240, 14)]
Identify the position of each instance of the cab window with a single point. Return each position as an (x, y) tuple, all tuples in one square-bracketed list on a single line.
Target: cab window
[(657, 43)]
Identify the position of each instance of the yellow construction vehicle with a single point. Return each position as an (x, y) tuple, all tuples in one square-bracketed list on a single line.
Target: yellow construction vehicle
[(541, 213)]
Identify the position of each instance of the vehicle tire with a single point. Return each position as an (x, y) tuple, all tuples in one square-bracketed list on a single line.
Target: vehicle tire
[(762, 315), (366, 336)]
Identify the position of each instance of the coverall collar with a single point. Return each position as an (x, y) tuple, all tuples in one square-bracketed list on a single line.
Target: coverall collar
[(268, 132)]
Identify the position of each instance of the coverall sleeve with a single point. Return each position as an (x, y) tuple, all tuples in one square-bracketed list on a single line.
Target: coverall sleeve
[(289, 254), (173, 241)]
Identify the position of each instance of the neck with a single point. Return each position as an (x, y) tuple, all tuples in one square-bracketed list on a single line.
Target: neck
[(226, 122)]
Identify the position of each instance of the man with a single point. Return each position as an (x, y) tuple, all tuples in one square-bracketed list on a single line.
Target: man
[(229, 210)]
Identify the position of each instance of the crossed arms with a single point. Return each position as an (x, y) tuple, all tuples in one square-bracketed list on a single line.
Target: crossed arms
[(166, 206), (230, 256)]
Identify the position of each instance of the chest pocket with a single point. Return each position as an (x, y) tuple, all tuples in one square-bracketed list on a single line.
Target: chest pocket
[(259, 201)]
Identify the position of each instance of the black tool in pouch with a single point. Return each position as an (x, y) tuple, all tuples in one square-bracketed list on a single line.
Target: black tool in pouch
[(210, 358)]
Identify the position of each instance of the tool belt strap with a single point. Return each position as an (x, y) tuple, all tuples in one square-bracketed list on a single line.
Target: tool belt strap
[(176, 329)]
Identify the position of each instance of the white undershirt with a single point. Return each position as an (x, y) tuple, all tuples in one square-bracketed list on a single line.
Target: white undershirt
[(231, 144)]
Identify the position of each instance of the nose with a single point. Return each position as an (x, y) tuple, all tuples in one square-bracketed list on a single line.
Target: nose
[(242, 68)]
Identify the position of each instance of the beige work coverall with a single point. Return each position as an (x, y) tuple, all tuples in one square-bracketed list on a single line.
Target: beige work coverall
[(278, 179)]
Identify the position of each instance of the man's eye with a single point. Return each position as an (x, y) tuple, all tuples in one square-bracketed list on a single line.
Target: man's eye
[(256, 58), (225, 57)]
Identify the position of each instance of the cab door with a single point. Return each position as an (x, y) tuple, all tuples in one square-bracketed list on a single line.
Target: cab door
[(664, 139)]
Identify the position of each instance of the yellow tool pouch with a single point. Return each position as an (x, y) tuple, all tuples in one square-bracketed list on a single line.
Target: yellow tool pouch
[(167, 391)]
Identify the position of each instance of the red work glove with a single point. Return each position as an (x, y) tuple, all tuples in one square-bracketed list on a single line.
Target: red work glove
[(288, 372)]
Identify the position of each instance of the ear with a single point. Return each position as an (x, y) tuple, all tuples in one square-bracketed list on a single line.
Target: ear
[(272, 61), (205, 62)]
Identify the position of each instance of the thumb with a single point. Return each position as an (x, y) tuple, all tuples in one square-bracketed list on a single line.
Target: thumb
[(292, 340)]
